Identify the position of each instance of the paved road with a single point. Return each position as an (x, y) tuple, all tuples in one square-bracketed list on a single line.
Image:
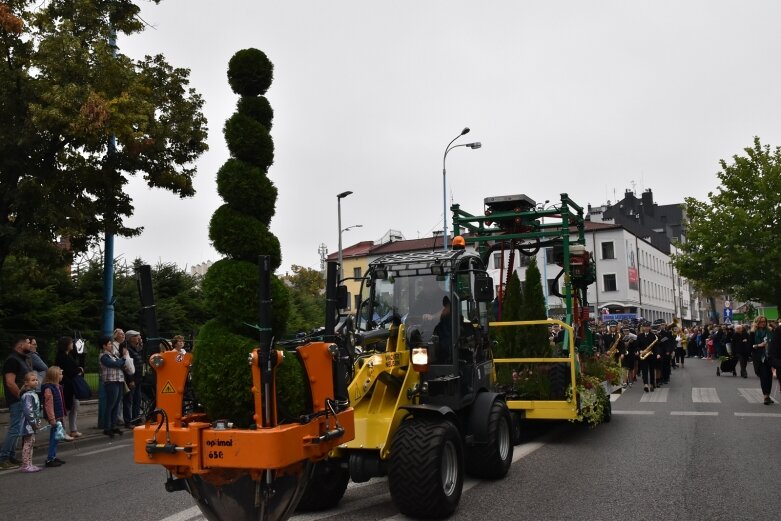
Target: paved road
[(703, 448)]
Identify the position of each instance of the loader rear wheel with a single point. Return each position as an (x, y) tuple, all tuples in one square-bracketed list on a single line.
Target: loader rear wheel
[(325, 487), (426, 471), (492, 460)]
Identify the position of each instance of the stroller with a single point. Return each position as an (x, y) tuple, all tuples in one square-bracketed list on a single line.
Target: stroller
[(727, 364)]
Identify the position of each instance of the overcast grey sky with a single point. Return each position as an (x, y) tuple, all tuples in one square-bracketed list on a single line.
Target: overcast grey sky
[(588, 98)]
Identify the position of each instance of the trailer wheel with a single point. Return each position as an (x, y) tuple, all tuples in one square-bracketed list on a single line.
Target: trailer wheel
[(492, 460), (559, 376), (515, 423), (325, 487), (426, 471)]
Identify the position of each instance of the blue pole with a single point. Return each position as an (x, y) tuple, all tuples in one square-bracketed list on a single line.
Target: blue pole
[(108, 264)]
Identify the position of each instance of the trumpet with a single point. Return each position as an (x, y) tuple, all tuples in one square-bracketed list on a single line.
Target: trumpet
[(648, 351), (614, 347)]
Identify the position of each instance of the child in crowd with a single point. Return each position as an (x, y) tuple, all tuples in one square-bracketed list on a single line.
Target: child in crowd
[(31, 414), (54, 410)]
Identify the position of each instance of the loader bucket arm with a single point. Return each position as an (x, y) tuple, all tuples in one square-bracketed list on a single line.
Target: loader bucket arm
[(245, 474)]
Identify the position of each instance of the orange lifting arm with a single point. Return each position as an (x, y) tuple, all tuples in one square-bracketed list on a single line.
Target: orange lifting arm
[(188, 445)]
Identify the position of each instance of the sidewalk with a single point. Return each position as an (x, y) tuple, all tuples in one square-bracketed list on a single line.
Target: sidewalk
[(87, 422)]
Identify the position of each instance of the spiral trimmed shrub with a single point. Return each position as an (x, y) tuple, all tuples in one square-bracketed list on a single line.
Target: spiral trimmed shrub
[(242, 236), (249, 141), (250, 72), (258, 109), (221, 375), (248, 188), (231, 287)]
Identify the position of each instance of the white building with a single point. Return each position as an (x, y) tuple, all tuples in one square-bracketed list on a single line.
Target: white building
[(633, 277)]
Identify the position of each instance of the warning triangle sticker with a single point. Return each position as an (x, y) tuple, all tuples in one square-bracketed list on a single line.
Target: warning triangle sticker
[(168, 389)]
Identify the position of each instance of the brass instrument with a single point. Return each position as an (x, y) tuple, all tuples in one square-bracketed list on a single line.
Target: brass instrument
[(648, 351), (614, 347)]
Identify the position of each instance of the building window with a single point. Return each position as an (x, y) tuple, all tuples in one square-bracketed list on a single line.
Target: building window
[(552, 288), (497, 260), (357, 300), (357, 272), (608, 250), (609, 282)]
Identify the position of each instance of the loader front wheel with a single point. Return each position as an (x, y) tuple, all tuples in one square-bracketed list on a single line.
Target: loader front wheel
[(426, 471), (325, 487), (492, 460)]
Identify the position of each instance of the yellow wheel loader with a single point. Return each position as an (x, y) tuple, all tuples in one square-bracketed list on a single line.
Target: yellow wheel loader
[(421, 390)]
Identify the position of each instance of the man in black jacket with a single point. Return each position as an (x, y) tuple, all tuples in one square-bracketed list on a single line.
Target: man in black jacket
[(741, 346), (131, 402)]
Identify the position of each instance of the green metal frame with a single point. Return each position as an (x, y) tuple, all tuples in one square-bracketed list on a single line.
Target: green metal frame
[(482, 233)]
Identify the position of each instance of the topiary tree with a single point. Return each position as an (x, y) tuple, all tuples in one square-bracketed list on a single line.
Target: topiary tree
[(507, 337), (533, 340), (239, 229)]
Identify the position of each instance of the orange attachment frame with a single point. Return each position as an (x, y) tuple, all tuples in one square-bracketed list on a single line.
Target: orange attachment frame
[(191, 445)]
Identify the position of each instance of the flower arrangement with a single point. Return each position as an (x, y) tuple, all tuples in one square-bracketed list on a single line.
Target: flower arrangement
[(603, 367), (592, 398), (527, 382)]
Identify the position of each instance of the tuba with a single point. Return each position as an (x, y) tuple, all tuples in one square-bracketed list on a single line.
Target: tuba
[(648, 351)]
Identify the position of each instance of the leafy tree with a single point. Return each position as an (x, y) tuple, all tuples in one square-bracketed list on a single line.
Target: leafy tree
[(65, 97), (48, 302), (307, 299), (732, 241)]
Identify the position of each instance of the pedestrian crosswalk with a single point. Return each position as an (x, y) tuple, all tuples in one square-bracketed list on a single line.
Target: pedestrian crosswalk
[(699, 395), (703, 395)]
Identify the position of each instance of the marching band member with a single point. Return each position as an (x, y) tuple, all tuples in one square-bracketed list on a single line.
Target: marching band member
[(646, 342)]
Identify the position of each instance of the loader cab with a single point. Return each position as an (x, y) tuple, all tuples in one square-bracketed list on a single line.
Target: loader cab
[(439, 302)]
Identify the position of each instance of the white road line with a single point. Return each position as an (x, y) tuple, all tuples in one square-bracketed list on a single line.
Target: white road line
[(658, 396), (705, 395), (752, 394), (614, 411), (346, 506), (184, 515), (693, 413), (759, 414), (115, 447)]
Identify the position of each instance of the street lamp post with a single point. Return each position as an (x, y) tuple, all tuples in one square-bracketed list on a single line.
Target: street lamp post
[(339, 198), (448, 148)]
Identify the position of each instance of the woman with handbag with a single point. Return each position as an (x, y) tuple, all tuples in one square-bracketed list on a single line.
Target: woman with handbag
[(71, 371)]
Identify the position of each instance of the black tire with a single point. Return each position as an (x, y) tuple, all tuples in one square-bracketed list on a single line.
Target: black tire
[(492, 461), (607, 414), (718, 372), (325, 487), (426, 471), (559, 376), (515, 423)]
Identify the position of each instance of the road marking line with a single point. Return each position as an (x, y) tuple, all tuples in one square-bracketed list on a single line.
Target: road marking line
[(759, 414), (693, 413), (658, 396), (614, 411), (752, 395), (705, 395), (184, 515), (115, 447)]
